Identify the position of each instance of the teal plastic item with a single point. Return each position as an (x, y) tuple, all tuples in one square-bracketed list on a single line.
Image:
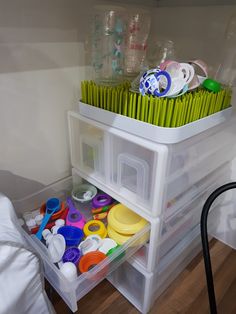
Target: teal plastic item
[(52, 206)]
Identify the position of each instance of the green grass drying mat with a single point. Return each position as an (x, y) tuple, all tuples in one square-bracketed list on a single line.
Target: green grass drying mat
[(164, 112)]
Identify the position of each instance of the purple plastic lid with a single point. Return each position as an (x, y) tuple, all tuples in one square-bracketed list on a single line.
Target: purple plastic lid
[(101, 199), (72, 255)]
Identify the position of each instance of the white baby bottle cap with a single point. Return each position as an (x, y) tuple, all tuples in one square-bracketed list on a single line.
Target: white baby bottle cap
[(88, 245)]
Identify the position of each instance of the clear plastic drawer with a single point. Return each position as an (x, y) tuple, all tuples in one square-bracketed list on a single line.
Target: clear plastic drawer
[(72, 291)]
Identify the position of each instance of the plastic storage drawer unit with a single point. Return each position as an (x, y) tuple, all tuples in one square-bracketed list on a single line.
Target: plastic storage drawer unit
[(145, 175)]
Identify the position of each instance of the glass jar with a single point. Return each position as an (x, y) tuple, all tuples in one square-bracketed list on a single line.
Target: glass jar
[(138, 27), (108, 44)]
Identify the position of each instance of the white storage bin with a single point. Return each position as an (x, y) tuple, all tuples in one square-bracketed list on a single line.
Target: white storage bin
[(71, 292), (141, 288)]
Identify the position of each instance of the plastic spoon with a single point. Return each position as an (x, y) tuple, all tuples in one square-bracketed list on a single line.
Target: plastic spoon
[(52, 205)]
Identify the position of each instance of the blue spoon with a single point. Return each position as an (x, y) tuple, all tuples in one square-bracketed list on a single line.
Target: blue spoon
[(52, 206)]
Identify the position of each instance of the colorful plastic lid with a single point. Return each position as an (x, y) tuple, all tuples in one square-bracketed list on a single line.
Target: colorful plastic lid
[(113, 250), (72, 235), (95, 227), (125, 221), (90, 244), (72, 255), (101, 199), (90, 260), (212, 85), (84, 193), (117, 237)]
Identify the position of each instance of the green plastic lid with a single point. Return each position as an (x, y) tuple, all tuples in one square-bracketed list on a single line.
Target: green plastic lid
[(212, 85), (111, 251)]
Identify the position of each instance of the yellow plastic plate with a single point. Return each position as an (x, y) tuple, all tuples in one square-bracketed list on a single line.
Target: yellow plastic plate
[(117, 237), (123, 220)]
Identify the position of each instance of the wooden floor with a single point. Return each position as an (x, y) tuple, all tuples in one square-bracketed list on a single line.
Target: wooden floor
[(187, 294)]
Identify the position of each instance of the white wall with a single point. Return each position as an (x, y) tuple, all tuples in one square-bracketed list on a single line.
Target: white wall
[(198, 32), (41, 65)]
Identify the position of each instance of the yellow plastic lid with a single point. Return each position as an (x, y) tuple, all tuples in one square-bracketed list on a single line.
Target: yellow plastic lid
[(125, 221), (95, 227), (117, 237)]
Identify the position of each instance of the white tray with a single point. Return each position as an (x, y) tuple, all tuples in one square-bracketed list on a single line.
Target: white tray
[(152, 132)]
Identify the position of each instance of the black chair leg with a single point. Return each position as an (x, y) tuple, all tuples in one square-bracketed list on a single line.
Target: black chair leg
[(205, 244)]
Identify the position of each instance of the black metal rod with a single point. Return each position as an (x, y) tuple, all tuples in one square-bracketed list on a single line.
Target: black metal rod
[(205, 244)]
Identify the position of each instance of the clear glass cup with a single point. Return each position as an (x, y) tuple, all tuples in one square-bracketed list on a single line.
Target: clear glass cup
[(138, 27), (109, 25)]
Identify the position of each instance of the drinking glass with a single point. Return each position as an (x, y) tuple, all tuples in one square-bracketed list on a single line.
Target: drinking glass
[(109, 25)]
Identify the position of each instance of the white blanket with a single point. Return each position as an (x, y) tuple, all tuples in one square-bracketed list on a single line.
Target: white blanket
[(21, 279)]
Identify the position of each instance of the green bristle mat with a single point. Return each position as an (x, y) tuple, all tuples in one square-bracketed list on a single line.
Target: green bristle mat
[(165, 112)]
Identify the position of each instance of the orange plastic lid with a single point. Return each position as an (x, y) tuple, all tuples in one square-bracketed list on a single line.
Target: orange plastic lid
[(90, 260)]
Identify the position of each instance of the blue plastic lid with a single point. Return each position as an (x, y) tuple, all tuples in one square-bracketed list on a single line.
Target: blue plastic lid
[(72, 235)]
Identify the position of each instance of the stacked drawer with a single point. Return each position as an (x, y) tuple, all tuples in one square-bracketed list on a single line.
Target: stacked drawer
[(141, 288), (73, 291), (165, 184)]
